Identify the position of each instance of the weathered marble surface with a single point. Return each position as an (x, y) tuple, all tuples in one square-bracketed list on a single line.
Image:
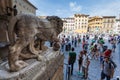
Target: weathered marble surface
[(36, 70), (27, 35)]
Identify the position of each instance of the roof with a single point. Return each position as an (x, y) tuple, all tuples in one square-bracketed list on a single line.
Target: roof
[(30, 3), (117, 19), (68, 18), (65, 21), (109, 16), (81, 15), (94, 18)]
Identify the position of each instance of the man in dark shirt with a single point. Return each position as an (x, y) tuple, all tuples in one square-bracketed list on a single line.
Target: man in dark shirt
[(71, 60)]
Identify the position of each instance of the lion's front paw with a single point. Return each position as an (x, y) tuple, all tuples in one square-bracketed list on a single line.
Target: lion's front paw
[(17, 66), (21, 64)]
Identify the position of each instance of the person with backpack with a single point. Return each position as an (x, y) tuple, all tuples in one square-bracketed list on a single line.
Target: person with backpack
[(108, 66), (103, 50), (72, 59)]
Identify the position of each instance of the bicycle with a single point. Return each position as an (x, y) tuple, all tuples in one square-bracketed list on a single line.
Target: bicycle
[(68, 71)]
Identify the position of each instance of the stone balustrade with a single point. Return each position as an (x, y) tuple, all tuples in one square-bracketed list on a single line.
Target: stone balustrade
[(49, 69)]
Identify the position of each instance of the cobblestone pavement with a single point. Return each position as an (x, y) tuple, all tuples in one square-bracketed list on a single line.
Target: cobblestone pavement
[(94, 68)]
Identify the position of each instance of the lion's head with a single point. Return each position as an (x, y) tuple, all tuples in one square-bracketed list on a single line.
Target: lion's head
[(56, 22)]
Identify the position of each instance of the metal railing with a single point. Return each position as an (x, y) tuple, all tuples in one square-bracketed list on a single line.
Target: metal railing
[(68, 71)]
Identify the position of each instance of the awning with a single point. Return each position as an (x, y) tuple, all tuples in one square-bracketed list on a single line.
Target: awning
[(80, 31)]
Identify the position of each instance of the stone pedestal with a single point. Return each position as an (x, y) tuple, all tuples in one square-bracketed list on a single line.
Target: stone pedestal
[(50, 69)]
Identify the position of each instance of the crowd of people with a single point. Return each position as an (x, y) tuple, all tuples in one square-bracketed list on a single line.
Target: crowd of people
[(91, 49)]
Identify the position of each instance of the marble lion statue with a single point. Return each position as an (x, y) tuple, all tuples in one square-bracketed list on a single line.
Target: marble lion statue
[(29, 31)]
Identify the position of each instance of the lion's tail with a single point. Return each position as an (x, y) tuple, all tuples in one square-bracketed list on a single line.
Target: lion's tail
[(11, 26)]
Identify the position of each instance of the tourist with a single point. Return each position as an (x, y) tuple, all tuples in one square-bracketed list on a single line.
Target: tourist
[(113, 42), (79, 40), (75, 44), (80, 59), (85, 64), (71, 59), (108, 66), (95, 52)]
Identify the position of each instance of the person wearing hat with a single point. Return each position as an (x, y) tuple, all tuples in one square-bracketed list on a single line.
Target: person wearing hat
[(108, 53), (108, 66)]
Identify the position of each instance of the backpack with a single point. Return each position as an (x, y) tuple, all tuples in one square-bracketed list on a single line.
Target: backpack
[(102, 42), (112, 66), (105, 48), (85, 46)]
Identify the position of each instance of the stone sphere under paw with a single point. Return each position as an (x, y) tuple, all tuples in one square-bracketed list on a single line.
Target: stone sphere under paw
[(56, 46)]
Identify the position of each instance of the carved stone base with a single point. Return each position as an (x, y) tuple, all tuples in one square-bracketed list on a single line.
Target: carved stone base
[(36, 70)]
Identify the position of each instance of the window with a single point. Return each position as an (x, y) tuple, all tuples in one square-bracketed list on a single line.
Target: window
[(112, 21)]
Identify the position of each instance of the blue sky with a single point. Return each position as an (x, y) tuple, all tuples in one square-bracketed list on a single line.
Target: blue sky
[(67, 8)]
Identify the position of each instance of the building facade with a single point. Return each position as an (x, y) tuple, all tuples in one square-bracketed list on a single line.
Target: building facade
[(108, 24), (6, 9), (117, 26), (68, 24), (81, 23), (24, 6), (3, 6), (95, 25), (43, 17), (6, 6)]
